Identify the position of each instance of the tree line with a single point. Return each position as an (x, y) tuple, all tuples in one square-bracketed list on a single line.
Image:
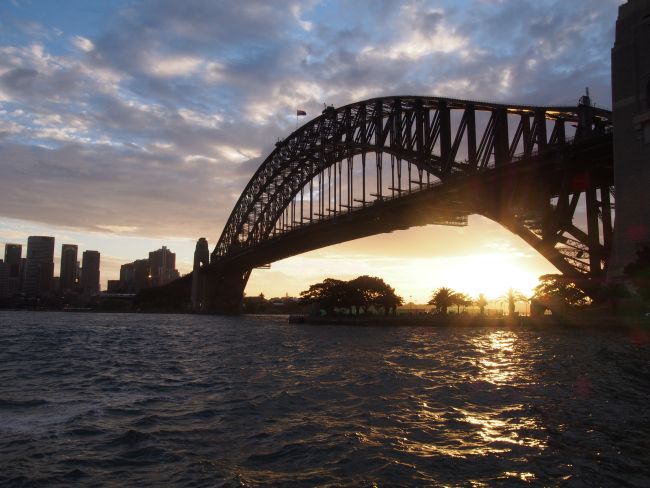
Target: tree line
[(366, 293), (554, 291), (360, 294)]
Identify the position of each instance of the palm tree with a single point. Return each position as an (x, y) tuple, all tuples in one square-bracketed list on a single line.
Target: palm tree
[(513, 296), (481, 302), (442, 298)]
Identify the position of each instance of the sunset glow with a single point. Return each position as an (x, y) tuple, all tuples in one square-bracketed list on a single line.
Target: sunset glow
[(481, 258)]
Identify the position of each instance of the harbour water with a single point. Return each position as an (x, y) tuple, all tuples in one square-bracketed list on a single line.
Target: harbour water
[(202, 401)]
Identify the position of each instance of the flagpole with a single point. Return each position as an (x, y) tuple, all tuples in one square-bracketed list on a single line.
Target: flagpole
[(299, 112)]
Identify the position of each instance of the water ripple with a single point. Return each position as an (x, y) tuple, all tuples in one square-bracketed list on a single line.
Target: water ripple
[(177, 400)]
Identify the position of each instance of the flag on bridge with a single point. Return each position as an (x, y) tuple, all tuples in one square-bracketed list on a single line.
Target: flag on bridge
[(300, 112)]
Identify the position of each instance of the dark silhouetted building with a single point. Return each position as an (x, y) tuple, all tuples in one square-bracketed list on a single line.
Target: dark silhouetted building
[(158, 270), (162, 266), (114, 286), (90, 273), (4, 279), (134, 276), (631, 117), (68, 275), (39, 267), (15, 263), (13, 254), (201, 260)]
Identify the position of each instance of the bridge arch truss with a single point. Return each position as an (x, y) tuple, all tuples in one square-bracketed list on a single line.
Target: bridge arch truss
[(540, 167)]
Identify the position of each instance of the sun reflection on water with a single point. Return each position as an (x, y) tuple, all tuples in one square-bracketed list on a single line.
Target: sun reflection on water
[(499, 362), (477, 411)]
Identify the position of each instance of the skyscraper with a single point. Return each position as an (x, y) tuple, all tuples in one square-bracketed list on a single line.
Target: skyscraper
[(39, 267), (14, 262), (162, 266), (13, 253), (90, 273), (68, 274), (631, 116), (4, 279)]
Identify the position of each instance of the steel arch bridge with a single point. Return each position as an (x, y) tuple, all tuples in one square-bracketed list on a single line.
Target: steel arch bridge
[(545, 173)]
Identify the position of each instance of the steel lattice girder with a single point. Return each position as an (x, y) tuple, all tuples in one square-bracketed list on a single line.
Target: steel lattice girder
[(414, 129)]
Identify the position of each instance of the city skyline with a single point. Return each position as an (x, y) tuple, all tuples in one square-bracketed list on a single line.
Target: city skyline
[(181, 120), (462, 269), (64, 272)]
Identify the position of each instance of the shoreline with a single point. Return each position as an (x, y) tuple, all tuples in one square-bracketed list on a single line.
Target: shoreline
[(405, 320), (613, 322)]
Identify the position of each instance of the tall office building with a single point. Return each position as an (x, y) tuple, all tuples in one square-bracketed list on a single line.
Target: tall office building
[(4, 279), (68, 276), (631, 117), (162, 266), (13, 253), (14, 262), (39, 267), (90, 273)]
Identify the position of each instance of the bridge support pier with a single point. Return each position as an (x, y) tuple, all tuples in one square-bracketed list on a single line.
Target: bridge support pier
[(221, 290), (216, 288)]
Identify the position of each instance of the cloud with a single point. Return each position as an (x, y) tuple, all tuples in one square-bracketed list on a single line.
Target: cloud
[(19, 79), (170, 66), (153, 124), (138, 192), (420, 33), (82, 43)]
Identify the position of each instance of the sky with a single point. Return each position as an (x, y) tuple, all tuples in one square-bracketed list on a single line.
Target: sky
[(128, 125)]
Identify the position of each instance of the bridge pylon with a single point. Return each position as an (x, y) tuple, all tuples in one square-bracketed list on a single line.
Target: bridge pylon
[(631, 116), (224, 290), (216, 288)]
